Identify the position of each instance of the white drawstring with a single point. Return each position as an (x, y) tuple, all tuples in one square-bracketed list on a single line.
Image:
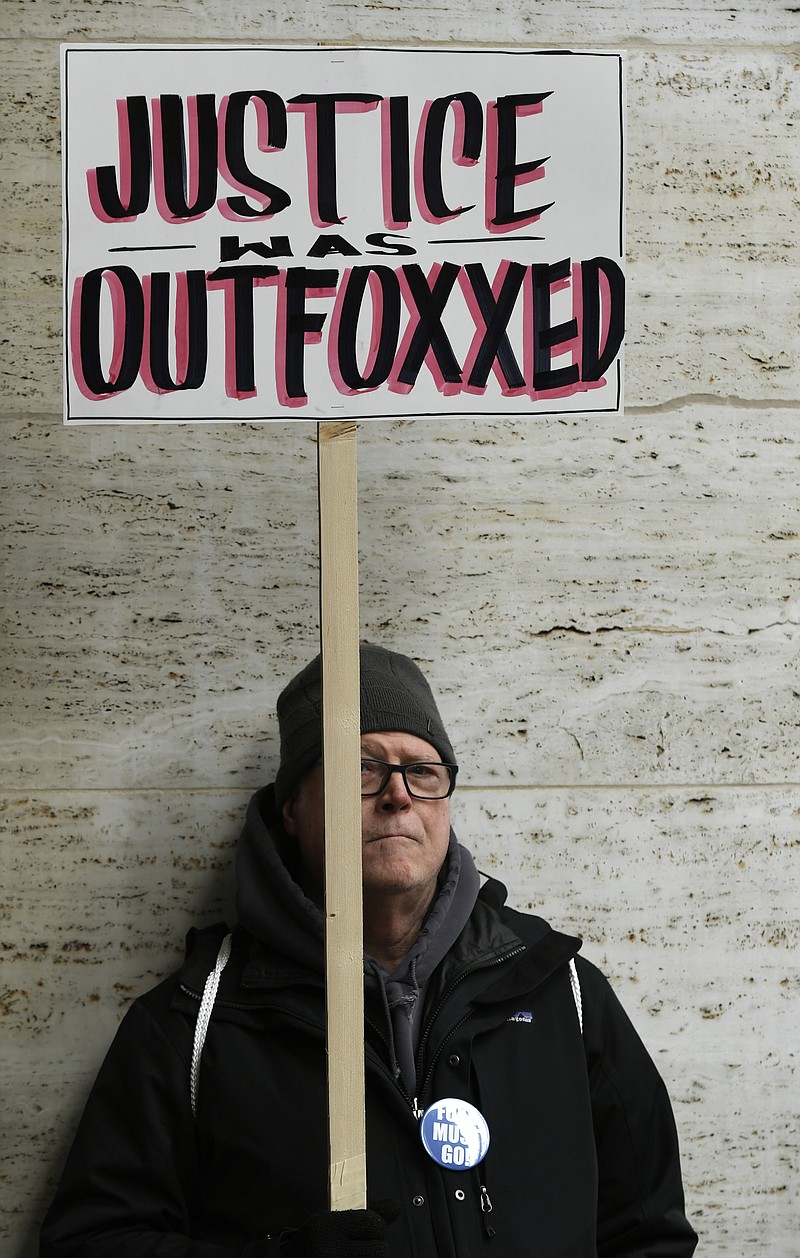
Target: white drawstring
[(204, 1016), (576, 991)]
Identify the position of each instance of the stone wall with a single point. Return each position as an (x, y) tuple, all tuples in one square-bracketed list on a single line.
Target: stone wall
[(609, 608)]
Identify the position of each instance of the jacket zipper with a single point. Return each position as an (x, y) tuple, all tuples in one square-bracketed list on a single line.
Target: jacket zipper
[(248, 1006), (417, 1108), (414, 1103), (473, 969), (486, 1210)]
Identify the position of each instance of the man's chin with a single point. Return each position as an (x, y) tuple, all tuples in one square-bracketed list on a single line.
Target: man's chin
[(387, 876)]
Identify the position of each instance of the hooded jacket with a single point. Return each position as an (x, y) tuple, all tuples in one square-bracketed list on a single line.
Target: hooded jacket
[(583, 1156)]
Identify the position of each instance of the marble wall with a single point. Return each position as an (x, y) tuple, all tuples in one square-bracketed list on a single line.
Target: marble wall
[(609, 608)]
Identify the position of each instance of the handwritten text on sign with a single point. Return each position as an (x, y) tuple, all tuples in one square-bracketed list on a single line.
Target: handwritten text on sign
[(256, 233)]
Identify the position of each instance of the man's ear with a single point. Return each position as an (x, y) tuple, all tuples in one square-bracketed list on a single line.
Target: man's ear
[(289, 823)]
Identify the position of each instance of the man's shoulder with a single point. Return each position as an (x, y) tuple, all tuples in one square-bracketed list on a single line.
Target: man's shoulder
[(201, 950), (530, 949), (533, 931), (245, 968)]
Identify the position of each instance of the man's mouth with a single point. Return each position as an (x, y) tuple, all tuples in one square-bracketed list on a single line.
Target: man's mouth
[(392, 834)]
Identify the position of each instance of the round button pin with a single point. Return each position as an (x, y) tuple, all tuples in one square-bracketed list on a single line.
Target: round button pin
[(455, 1134)]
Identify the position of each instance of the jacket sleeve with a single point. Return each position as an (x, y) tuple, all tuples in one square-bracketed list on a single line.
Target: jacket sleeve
[(640, 1190), (131, 1176)]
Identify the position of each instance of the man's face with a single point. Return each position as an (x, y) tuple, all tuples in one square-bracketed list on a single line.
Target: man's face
[(404, 840)]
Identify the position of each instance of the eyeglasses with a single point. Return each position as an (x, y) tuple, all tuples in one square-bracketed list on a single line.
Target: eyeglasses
[(427, 779)]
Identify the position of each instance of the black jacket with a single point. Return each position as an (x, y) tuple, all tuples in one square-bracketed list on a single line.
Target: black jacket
[(583, 1158)]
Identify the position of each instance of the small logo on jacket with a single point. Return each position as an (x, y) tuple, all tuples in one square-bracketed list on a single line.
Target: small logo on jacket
[(522, 1016)]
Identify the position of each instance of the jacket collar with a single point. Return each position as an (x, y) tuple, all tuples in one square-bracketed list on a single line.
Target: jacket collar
[(499, 954), (502, 953)]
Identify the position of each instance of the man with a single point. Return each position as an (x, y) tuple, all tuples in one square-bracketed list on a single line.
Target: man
[(547, 1132)]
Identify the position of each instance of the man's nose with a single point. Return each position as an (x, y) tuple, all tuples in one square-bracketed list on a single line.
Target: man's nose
[(395, 793)]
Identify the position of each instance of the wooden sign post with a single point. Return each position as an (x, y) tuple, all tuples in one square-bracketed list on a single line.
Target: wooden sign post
[(341, 748)]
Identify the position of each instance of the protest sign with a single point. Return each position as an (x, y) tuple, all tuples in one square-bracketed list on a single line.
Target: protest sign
[(341, 234), (259, 233)]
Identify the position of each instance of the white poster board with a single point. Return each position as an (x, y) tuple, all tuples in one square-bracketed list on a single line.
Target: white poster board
[(256, 233)]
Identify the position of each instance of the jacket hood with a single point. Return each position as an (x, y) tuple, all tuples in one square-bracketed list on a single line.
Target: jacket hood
[(270, 902)]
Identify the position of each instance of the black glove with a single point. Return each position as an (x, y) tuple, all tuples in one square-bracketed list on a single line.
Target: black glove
[(343, 1233)]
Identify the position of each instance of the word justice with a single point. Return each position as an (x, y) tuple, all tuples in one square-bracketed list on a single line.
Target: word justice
[(126, 320), (178, 151)]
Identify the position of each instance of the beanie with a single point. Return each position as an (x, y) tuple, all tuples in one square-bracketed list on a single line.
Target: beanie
[(395, 697)]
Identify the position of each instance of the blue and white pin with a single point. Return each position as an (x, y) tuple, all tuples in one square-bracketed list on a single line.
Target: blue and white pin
[(455, 1134)]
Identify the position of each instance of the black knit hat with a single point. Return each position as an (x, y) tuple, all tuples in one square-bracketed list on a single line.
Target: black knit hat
[(395, 697)]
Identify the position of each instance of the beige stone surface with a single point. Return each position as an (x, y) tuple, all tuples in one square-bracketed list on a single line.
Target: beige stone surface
[(551, 24), (609, 608), (618, 599)]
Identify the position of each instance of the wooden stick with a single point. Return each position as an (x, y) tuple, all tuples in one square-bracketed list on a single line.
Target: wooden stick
[(341, 746)]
